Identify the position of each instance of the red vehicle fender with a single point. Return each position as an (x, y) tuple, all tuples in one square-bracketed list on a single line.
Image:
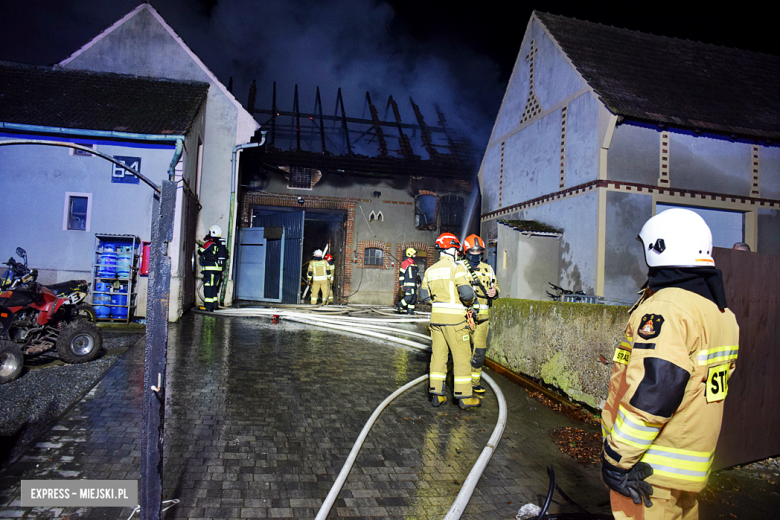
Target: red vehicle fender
[(48, 306)]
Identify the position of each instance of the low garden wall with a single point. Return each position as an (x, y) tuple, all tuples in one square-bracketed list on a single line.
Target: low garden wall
[(565, 345)]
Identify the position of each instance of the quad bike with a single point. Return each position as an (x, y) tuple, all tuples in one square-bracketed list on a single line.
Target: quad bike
[(34, 319), (76, 291)]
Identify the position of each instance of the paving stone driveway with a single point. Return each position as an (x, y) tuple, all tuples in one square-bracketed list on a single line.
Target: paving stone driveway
[(261, 417)]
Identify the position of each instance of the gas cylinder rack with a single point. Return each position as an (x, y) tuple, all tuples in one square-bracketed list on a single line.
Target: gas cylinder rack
[(115, 277)]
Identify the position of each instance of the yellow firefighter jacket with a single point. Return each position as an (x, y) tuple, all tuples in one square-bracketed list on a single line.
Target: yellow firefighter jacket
[(318, 270), (668, 386), (441, 281), (484, 273)]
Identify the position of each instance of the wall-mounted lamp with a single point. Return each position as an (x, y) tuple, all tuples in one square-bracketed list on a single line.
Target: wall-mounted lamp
[(301, 201)]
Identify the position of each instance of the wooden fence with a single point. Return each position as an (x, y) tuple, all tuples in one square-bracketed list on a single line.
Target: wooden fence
[(751, 422)]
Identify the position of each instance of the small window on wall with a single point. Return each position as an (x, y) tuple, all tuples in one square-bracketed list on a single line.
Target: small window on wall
[(373, 256), (425, 212), (76, 215), (727, 226)]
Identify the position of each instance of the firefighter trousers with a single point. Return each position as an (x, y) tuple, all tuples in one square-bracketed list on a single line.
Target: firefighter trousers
[(668, 504), (453, 339), (478, 350), (211, 290), (318, 286)]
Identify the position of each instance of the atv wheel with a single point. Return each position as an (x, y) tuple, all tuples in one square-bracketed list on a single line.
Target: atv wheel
[(79, 342), (11, 361), (86, 312)]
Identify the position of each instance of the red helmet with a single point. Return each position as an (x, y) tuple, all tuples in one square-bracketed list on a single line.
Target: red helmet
[(474, 245), (446, 241), (329, 257)]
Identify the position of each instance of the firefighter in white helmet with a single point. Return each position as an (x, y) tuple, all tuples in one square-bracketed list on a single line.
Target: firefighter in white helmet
[(318, 275), (670, 378), (483, 280), (445, 286), (213, 256)]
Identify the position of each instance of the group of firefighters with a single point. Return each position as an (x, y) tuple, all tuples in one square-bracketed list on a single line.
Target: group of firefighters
[(663, 413)]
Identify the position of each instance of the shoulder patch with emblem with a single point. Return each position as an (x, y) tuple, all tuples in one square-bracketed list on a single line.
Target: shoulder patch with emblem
[(650, 325)]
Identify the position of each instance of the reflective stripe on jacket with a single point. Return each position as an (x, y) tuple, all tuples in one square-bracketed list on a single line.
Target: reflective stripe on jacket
[(668, 386), (442, 280), (318, 270)]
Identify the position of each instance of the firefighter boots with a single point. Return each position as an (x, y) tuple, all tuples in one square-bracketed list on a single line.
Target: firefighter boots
[(470, 402)]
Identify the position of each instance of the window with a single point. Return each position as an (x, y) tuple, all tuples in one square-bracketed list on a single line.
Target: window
[(300, 178), (451, 213), (425, 212), (83, 153), (373, 256), (76, 215), (727, 226)]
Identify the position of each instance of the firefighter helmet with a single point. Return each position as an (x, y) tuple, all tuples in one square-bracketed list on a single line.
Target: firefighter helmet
[(215, 231), (410, 252), (447, 241), (329, 257), (318, 253), (677, 237), (474, 245)]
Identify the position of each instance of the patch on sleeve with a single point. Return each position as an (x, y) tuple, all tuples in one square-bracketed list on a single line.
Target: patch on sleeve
[(650, 325), (622, 356)]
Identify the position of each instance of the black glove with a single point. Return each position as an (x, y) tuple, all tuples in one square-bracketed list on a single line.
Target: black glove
[(629, 482)]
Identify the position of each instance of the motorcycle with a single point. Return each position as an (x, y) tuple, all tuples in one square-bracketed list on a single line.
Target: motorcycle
[(35, 319)]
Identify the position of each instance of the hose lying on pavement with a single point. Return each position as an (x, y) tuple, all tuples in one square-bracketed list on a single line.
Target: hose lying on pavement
[(359, 326)]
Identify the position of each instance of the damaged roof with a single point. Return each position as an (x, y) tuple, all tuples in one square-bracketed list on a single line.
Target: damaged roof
[(669, 81), (85, 100)]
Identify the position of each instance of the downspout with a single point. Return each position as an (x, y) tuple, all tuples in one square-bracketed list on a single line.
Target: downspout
[(227, 293)]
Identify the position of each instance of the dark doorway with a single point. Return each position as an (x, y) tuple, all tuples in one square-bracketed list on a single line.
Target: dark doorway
[(321, 229)]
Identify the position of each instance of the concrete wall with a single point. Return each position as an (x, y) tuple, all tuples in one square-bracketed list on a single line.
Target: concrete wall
[(38, 178), (531, 148), (624, 263), (525, 264), (568, 346)]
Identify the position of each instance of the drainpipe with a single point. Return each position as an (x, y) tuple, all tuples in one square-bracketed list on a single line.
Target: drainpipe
[(227, 295)]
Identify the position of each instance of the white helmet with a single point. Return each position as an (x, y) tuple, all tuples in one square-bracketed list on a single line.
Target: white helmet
[(677, 238), (215, 231), (318, 253)]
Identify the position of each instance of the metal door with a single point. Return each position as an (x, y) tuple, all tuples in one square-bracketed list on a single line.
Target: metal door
[(250, 283), (282, 276)]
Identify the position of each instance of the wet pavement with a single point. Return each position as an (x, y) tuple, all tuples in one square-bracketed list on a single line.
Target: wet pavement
[(261, 417)]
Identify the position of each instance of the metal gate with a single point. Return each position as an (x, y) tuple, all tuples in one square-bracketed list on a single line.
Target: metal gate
[(271, 252)]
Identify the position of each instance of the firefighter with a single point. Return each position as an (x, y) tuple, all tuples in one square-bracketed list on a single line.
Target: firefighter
[(408, 275), (319, 278), (331, 272), (483, 280), (665, 405), (213, 255), (444, 285)]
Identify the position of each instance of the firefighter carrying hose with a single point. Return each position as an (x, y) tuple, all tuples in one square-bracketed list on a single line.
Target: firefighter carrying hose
[(318, 276), (483, 280), (444, 285), (670, 379), (408, 276), (213, 256)]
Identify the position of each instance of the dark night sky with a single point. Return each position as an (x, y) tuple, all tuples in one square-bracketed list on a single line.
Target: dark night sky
[(453, 53)]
